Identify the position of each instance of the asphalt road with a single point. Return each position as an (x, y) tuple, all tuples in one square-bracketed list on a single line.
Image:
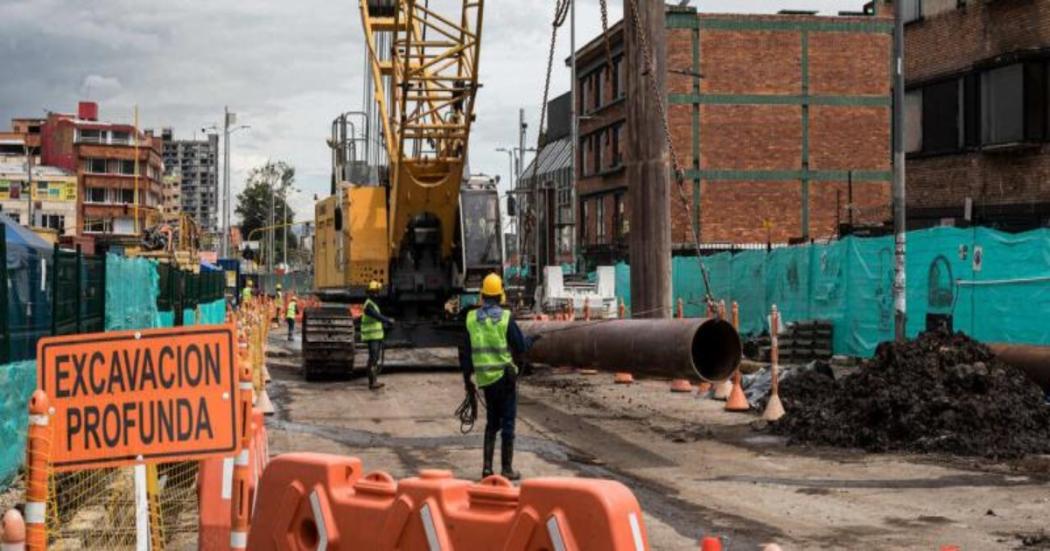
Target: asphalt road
[(695, 469)]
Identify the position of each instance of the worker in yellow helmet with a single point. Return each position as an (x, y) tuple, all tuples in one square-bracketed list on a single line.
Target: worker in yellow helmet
[(373, 323), (493, 340)]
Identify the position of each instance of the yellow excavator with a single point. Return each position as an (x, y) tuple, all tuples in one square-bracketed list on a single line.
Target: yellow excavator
[(422, 229)]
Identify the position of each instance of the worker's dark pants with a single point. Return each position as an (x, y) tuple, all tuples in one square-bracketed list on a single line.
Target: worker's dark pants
[(501, 405), (375, 353), (291, 327)]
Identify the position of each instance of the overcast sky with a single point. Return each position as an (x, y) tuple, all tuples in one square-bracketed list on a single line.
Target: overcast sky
[(286, 68)]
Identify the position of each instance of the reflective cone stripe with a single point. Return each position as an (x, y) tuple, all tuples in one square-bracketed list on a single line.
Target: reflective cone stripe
[(39, 452), (240, 510)]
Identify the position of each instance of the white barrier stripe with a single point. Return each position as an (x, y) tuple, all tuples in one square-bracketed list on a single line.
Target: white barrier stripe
[(13, 546), (429, 528), (238, 540), (227, 478), (554, 531), (322, 528), (243, 458), (39, 420), (245, 386), (36, 512), (636, 532)]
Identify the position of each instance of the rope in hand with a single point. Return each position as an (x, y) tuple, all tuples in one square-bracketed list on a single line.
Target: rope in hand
[(467, 412)]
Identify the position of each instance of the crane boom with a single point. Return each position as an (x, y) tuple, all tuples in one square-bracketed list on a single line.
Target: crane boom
[(425, 88)]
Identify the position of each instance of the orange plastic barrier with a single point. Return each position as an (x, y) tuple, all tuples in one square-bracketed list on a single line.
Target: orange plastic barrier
[(215, 488), (312, 501)]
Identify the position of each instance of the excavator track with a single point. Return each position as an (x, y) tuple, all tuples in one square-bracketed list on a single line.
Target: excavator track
[(328, 343)]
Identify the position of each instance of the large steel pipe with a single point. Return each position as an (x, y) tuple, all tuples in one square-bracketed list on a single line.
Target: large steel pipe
[(692, 348), (1033, 360)]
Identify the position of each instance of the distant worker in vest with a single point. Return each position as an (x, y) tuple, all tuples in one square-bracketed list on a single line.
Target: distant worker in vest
[(493, 339), (293, 309), (279, 304), (373, 323), (246, 293)]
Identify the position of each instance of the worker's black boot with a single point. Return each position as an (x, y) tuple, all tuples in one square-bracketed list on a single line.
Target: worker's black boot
[(373, 384), (507, 457), (489, 451)]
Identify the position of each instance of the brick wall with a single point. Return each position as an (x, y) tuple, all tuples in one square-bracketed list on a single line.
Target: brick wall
[(952, 42), (751, 177)]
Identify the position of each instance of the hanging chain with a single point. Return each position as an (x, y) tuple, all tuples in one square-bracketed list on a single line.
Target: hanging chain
[(676, 167), (605, 35)]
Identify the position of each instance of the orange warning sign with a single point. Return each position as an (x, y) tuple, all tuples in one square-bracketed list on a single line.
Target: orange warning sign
[(152, 395)]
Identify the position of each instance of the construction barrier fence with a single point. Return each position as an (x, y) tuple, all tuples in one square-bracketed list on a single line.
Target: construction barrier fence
[(992, 285), (300, 283)]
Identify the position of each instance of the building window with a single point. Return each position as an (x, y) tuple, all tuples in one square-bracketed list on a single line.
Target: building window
[(619, 217), (599, 87), (90, 135), (1002, 105), (53, 221), (584, 222), (125, 167), (126, 196), (585, 157), (120, 137), (941, 117), (596, 144), (617, 146), (15, 217), (599, 218), (913, 121), (617, 78), (912, 10), (581, 90), (98, 225), (96, 195), (95, 166)]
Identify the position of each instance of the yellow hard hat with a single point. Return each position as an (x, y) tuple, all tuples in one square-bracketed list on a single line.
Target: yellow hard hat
[(249, 283), (492, 286), (278, 286), (374, 286)]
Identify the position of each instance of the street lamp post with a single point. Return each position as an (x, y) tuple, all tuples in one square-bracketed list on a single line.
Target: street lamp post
[(227, 120)]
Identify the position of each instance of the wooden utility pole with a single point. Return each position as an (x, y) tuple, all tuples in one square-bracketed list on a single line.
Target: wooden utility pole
[(648, 160)]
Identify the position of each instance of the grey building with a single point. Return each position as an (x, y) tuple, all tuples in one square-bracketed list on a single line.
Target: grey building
[(546, 192), (197, 163)]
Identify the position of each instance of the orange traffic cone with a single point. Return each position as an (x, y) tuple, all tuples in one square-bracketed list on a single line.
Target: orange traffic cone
[(710, 543), (737, 401), (950, 548), (703, 389), (681, 385), (264, 404), (623, 378)]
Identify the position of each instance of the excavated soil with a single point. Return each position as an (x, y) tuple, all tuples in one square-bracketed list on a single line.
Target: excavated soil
[(942, 393)]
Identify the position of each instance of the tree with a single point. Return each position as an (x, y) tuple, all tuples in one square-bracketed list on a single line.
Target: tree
[(262, 192)]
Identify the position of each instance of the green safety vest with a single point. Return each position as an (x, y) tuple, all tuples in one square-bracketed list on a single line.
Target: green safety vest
[(246, 294), (371, 328), (488, 348), (290, 314)]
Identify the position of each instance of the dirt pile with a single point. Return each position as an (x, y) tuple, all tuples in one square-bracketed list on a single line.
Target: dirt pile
[(939, 393)]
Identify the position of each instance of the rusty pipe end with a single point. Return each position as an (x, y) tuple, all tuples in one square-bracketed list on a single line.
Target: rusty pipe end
[(716, 350)]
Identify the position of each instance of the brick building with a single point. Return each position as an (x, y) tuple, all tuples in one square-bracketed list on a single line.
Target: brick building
[(103, 156), (978, 123), (785, 137)]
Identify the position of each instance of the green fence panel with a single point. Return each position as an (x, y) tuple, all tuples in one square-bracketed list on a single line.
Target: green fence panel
[(17, 381), (132, 291), (748, 278), (1008, 298)]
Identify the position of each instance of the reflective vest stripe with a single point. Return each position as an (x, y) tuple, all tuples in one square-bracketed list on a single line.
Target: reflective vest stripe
[(371, 328)]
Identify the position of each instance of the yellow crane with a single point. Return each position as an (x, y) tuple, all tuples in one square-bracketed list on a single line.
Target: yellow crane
[(423, 230)]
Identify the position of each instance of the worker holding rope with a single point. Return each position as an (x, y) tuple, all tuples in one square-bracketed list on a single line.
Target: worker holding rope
[(488, 354)]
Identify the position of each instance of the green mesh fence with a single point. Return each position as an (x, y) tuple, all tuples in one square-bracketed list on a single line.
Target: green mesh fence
[(17, 381), (131, 293), (992, 285)]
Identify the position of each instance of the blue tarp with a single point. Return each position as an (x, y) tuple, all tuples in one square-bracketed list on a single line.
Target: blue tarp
[(1002, 297)]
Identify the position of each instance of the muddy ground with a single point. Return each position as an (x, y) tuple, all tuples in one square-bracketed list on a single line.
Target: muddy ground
[(695, 469)]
